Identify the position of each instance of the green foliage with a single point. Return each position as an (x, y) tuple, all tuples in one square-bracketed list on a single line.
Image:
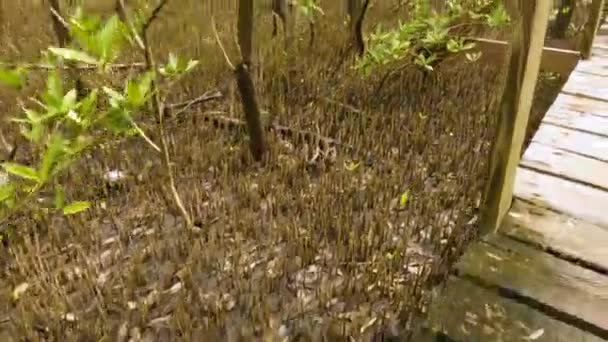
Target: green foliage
[(60, 127), (309, 8), (428, 37), (12, 77)]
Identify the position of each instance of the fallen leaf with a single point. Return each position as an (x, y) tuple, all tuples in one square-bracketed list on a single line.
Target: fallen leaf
[(20, 290), (537, 334)]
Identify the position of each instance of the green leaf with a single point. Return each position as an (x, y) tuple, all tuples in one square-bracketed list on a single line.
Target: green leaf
[(88, 105), (69, 101), (117, 120), (109, 39), (21, 171), (53, 95), (35, 133), (52, 154), (114, 95), (403, 199), (74, 55), (76, 207), (12, 78), (59, 200), (7, 191), (138, 90)]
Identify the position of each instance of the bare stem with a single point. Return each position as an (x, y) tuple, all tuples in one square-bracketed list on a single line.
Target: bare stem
[(159, 107)]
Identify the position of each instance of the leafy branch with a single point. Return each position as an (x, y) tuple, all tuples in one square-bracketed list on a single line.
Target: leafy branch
[(59, 126)]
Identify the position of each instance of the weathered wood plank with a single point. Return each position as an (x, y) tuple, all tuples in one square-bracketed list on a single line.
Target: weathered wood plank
[(567, 197), (565, 164), (575, 294), (466, 312), (587, 84), (577, 120), (553, 60), (569, 237), (590, 145), (581, 104), (514, 113), (600, 69)]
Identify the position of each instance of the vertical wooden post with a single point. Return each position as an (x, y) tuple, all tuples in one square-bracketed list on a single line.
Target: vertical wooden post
[(591, 28), (515, 107)]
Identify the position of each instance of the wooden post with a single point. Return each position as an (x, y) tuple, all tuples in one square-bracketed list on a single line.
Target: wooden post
[(515, 107), (591, 28)]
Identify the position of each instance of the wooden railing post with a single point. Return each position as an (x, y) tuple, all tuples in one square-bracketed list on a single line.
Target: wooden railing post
[(591, 28), (515, 107)]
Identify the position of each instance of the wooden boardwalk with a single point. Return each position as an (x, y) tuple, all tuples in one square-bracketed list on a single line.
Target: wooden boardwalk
[(544, 275)]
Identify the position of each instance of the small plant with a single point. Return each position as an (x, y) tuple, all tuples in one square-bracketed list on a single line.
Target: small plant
[(428, 37), (60, 128)]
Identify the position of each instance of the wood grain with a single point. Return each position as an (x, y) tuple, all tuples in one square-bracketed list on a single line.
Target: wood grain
[(544, 280), (566, 236), (575, 167), (567, 197)]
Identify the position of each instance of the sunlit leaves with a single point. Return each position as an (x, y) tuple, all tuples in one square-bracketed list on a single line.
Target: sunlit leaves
[(498, 17), (61, 123), (21, 171), (429, 37), (7, 190), (138, 90), (74, 55), (103, 40), (76, 207), (309, 8), (176, 66), (52, 155), (12, 77)]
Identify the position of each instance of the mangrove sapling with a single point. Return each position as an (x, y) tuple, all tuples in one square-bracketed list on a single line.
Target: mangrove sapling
[(60, 128), (158, 105), (243, 77), (61, 29)]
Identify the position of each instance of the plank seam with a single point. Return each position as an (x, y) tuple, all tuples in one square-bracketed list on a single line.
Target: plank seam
[(535, 304), (563, 106), (523, 164), (580, 154), (547, 120), (577, 261), (554, 210), (591, 73), (590, 97)]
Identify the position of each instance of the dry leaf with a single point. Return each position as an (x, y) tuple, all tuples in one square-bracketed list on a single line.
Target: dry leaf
[(537, 334), (20, 290)]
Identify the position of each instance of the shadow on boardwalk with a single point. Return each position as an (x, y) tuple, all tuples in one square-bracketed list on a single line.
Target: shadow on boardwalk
[(544, 275)]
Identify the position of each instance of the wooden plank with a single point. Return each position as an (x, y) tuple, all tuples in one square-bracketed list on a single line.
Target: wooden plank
[(568, 165), (576, 120), (578, 103), (566, 236), (585, 144), (553, 60), (567, 197), (466, 312), (587, 84), (591, 28), (592, 67), (514, 113), (575, 294)]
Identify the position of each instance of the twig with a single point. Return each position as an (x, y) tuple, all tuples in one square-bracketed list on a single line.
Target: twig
[(219, 43), (343, 105), (120, 8), (184, 106), (160, 109), (220, 119), (45, 67)]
